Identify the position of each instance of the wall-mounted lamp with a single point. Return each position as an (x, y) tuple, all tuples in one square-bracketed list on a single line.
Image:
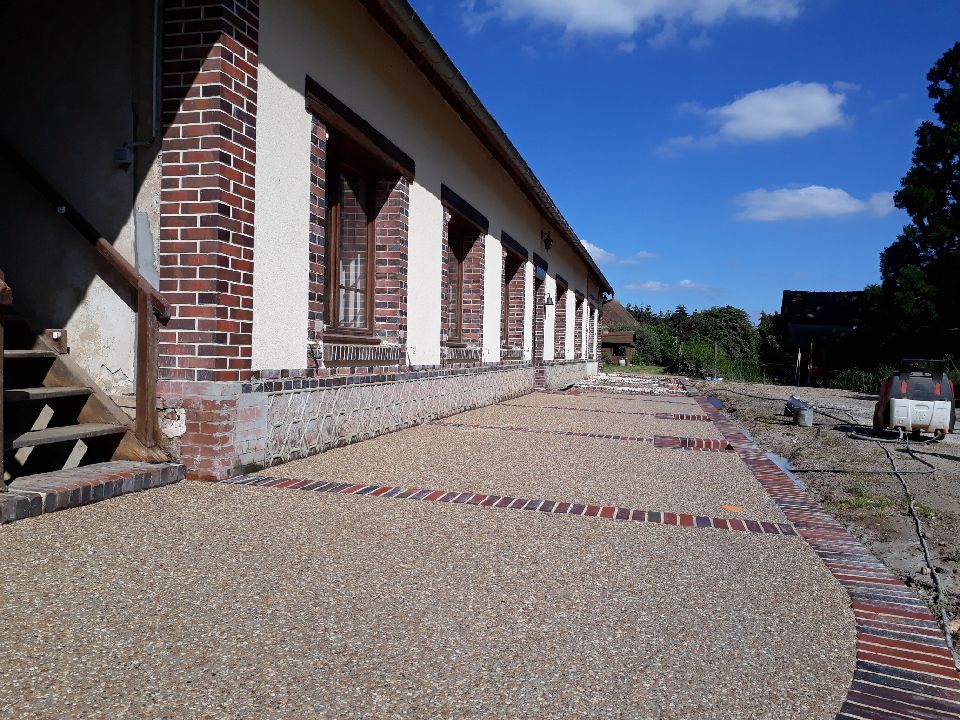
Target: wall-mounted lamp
[(549, 300), (547, 240)]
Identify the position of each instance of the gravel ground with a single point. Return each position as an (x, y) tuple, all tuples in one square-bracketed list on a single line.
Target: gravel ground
[(199, 601), (549, 467), (577, 421), (871, 505)]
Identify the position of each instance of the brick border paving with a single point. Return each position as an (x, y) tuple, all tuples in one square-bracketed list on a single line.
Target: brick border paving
[(553, 507), (904, 668), (659, 441)]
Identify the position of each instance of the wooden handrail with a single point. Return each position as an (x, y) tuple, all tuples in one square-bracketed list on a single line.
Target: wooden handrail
[(6, 301), (151, 307), (118, 262)]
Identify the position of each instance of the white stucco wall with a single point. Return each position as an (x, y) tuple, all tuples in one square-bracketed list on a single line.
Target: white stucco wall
[(282, 222), (425, 266), (68, 111), (331, 42), (492, 299)]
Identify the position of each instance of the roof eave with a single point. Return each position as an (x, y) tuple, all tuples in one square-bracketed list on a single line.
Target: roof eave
[(403, 24)]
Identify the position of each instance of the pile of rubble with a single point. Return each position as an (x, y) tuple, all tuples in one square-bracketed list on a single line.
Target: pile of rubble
[(633, 384)]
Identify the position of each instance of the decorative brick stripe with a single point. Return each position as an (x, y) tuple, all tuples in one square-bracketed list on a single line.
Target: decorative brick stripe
[(684, 443), (363, 354), (904, 668), (567, 433), (553, 507), (49, 492), (658, 416), (659, 441)]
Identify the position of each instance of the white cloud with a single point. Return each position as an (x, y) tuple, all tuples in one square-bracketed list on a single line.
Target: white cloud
[(792, 110), (626, 47), (659, 286), (605, 257), (814, 201), (626, 17)]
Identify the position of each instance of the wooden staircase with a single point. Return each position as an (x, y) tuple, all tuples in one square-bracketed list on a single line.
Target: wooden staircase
[(54, 416)]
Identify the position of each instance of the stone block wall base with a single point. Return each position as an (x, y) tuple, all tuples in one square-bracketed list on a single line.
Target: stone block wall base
[(560, 374), (236, 428), (48, 492)]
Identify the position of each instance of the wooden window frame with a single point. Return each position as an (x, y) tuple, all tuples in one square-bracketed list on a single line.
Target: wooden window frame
[(461, 256), (336, 168)]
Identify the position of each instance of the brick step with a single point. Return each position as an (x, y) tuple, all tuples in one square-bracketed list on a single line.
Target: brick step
[(35, 495), (68, 433), (44, 394)]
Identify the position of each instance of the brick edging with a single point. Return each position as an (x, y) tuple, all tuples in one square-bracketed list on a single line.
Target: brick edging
[(658, 416), (659, 441), (904, 667), (553, 507), (49, 492)]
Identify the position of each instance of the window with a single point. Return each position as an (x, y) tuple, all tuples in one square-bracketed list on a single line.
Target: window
[(511, 321), (358, 249), (465, 229), (351, 251), (460, 238)]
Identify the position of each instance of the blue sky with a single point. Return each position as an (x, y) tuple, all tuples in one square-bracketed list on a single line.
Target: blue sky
[(713, 151)]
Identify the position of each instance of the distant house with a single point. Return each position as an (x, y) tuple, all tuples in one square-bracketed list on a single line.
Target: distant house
[(616, 343), (614, 313), (816, 324)]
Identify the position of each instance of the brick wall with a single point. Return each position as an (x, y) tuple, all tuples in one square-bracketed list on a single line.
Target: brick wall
[(318, 231), (538, 310), (560, 324), (207, 187), (390, 292), (511, 331), (462, 241), (592, 313), (578, 328)]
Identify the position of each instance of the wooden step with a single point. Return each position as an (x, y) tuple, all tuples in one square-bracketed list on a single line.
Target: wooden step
[(27, 354), (68, 433), (44, 394)]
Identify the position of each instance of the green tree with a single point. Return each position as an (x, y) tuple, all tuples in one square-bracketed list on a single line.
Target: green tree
[(729, 328), (920, 269)]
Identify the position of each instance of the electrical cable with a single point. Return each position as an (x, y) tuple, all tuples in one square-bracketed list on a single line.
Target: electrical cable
[(918, 525)]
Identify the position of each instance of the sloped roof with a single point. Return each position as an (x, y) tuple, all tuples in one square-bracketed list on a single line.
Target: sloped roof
[(822, 308), (614, 313)]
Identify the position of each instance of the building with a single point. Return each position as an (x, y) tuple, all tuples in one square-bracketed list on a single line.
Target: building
[(617, 341), (266, 230), (817, 325)]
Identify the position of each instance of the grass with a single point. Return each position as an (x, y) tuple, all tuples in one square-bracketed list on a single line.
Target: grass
[(639, 369), (863, 498)]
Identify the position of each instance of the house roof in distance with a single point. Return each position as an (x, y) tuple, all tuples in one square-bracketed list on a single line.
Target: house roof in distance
[(614, 313), (822, 308)]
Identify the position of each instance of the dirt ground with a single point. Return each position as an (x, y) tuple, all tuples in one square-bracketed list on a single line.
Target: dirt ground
[(872, 505)]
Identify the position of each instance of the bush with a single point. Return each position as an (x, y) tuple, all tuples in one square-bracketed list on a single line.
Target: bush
[(701, 360), (647, 348)]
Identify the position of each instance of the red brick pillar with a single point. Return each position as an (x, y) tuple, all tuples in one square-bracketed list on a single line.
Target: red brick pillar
[(207, 188), (578, 328), (206, 223), (560, 325)]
